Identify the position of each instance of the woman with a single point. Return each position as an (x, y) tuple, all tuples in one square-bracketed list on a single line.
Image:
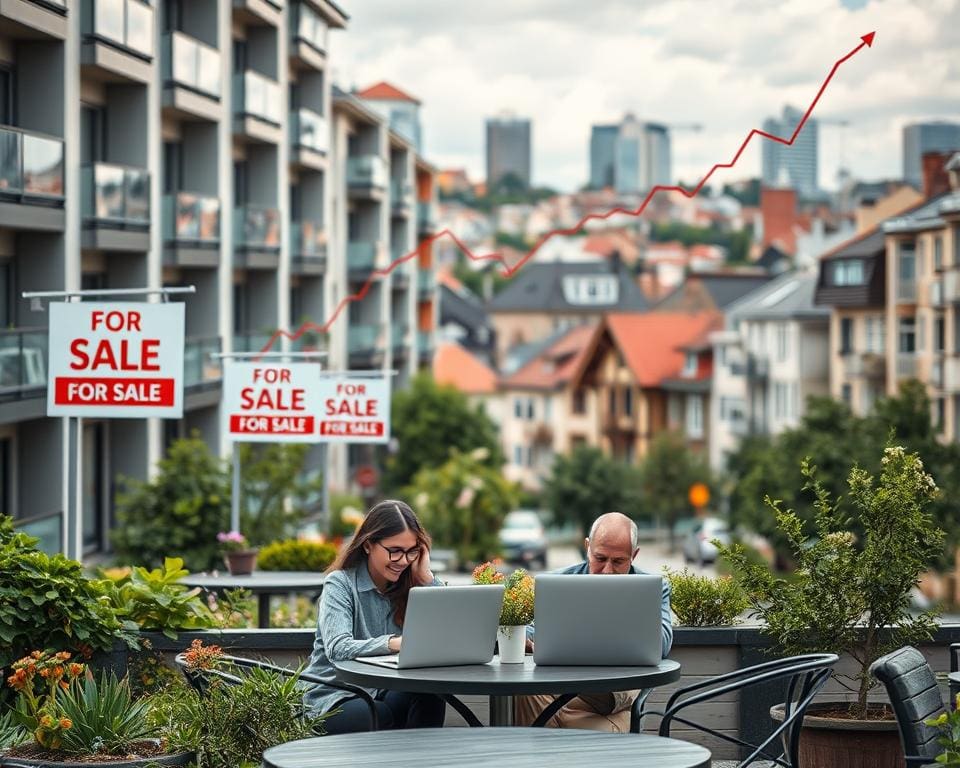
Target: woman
[(361, 613)]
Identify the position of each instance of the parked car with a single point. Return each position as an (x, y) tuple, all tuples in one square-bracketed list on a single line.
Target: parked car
[(698, 545), (523, 539)]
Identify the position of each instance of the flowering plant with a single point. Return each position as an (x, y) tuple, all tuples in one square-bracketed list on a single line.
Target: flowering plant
[(949, 726), (232, 541), (37, 679), (517, 596), (200, 656)]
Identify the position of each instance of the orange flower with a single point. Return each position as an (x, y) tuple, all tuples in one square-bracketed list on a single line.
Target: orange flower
[(76, 669), (45, 673), (46, 721), (66, 723), (36, 654), (64, 655), (57, 672), (65, 685)]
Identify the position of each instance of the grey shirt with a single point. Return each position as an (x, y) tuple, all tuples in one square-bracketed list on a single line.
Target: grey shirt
[(354, 619)]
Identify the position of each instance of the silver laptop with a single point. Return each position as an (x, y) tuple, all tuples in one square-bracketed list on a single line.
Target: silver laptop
[(597, 620), (446, 627)]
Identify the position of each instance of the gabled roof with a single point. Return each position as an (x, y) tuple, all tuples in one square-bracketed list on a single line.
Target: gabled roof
[(455, 366), (716, 292), (461, 306), (538, 287), (789, 296), (384, 91), (554, 366)]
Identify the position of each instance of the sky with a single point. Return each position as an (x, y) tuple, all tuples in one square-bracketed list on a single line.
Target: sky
[(726, 64)]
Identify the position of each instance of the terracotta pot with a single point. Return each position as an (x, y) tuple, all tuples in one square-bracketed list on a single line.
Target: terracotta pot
[(241, 563), (830, 742)]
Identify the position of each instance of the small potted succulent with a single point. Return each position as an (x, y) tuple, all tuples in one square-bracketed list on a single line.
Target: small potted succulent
[(517, 610), (237, 553)]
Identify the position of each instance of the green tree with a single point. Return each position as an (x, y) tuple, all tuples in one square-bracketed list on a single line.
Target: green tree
[(587, 484), (428, 421)]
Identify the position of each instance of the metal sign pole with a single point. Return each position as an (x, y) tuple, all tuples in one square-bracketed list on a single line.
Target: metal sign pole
[(235, 495), (325, 489), (73, 541)]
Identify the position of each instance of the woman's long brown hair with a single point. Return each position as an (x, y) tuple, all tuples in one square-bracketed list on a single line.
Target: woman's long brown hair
[(386, 519)]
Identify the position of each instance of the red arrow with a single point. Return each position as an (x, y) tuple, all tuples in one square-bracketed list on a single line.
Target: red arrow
[(508, 271)]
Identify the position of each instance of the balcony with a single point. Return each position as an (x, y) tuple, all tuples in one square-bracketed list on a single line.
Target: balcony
[(424, 345), (309, 139), (308, 249), (951, 286), (935, 293), (367, 177), (906, 365), (256, 237), (361, 259), (257, 107), (259, 12), (399, 277), (191, 77), (116, 207), (23, 20), (401, 197), (191, 230), (118, 40), (308, 37), (31, 181), (364, 344), (758, 368), (951, 375), (867, 365), (248, 341), (201, 366), (426, 284), (398, 338), (906, 292), (23, 364), (426, 217), (617, 422)]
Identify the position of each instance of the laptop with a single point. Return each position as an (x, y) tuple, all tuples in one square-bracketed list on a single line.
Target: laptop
[(447, 627), (598, 620)]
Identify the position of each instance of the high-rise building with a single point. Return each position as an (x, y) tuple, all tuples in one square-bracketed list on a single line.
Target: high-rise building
[(192, 143), (793, 165), (641, 156), (603, 148), (920, 138), (508, 150)]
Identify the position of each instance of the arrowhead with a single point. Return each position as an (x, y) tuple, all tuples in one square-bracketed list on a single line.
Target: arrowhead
[(868, 39)]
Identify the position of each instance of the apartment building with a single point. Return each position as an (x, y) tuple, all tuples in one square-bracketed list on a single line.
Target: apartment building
[(188, 142)]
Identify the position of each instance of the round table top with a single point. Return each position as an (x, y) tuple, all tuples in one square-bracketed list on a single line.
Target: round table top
[(496, 679), (488, 748), (954, 677), (258, 581)]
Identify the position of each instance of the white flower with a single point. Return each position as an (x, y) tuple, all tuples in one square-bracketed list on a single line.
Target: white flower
[(465, 499)]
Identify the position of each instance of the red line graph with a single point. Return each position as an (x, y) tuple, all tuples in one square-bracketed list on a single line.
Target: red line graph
[(508, 271)]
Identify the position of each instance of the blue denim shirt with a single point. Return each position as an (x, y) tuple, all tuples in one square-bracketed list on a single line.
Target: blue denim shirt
[(666, 620)]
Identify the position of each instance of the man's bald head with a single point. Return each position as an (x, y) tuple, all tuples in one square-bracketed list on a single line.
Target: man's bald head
[(612, 544)]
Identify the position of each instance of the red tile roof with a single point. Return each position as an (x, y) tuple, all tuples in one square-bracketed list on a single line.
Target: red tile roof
[(455, 366), (386, 92), (556, 365)]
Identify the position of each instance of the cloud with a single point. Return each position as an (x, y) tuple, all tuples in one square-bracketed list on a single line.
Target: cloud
[(727, 64)]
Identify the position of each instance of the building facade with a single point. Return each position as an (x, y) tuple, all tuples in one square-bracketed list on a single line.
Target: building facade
[(508, 151), (603, 147), (920, 138), (796, 164)]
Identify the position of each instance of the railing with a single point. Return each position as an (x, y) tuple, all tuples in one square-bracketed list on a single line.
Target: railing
[(115, 195), (907, 291), (30, 165), (244, 341), (307, 25), (361, 255), (423, 342), (189, 217), (192, 64), (367, 171), (48, 528), (425, 281), (127, 24), (363, 338), (757, 367), (257, 96), (426, 214), (400, 191), (398, 334), (256, 227), (200, 363), (906, 365), (308, 239), (23, 361), (310, 341), (309, 130)]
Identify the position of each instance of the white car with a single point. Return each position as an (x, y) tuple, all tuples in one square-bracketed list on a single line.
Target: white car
[(698, 545), (523, 539)]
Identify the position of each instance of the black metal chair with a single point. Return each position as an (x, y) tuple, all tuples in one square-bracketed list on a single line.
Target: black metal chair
[(200, 679), (954, 667), (804, 677), (915, 697)]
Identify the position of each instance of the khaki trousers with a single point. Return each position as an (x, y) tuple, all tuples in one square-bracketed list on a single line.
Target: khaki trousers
[(592, 712)]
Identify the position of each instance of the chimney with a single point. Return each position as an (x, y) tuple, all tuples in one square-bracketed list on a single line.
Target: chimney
[(933, 166)]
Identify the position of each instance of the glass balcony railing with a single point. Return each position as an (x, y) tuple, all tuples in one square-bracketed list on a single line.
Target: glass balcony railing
[(257, 96), (307, 25), (398, 334), (426, 214), (309, 130), (189, 217), (362, 338), (30, 165), (256, 227), (200, 362), (116, 195), (309, 341), (367, 171), (425, 281), (189, 63), (423, 342), (126, 24), (48, 528), (400, 192), (361, 255), (244, 341), (23, 361), (308, 239)]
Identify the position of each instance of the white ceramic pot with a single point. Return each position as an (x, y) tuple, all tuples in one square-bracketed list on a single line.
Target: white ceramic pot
[(512, 642)]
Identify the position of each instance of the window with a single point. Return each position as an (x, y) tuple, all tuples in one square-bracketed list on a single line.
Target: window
[(612, 401), (239, 55), (875, 335), (240, 184), (921, 333), (695, 416), (846, 335), (591, 289), (907, 335), (529, 453), (940, 414), (938, 252), (8, 101), (921, 257), (674, 411), (846, 393), (627, 401), (908, 262), (732, 409), (518, 455), (939, 333), (783, 342), (579, 402), (517, 408), (547, 408), (172, 166), (848, 272), (93, 134), (530, 409), (690, 364), (8, 299), (781, 397)]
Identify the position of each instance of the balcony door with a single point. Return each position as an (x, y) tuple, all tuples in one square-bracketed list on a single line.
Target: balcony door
[(93, 134), (8, 92)]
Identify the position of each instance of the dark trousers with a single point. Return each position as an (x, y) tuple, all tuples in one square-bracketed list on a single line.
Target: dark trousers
[(395, 709)]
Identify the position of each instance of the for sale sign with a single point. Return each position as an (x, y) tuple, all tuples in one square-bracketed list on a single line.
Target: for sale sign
[(355, 409), (272, 402), (116, 360)]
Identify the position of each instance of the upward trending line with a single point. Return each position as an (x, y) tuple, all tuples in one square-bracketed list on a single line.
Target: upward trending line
[(508, 271)]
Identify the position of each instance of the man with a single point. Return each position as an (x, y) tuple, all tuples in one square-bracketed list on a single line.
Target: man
[(611, 548)]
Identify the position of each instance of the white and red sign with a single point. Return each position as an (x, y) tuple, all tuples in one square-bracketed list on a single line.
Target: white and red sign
[(272, 402), (354, 410), (116, 360)]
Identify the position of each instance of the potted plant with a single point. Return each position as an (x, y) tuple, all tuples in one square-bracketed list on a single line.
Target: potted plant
[(851, 595), (517, 611), (237, 553)]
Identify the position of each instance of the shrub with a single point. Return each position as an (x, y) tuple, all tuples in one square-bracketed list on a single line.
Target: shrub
[(700, 601), (296, 555), (105, 717), (338, 527)]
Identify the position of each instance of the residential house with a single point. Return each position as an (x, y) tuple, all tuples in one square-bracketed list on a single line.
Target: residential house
[(712, 291), (457, 367), (463, 318)]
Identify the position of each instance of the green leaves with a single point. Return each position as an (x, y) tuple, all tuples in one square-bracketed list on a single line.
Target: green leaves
[(105, 717), (296, 555), (700, 601)]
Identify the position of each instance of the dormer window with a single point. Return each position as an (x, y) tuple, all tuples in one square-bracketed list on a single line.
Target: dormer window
[(591, 290), (690, 364), (847, 272)]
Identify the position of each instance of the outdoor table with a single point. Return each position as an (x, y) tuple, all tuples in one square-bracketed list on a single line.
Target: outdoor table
[(501, 682), (261, 583), (488, 748)]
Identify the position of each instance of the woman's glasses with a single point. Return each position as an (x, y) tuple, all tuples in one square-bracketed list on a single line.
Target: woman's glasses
[(397, 553)]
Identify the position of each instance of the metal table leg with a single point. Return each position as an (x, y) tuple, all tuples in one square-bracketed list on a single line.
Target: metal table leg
[(501, 711), (263, 610)]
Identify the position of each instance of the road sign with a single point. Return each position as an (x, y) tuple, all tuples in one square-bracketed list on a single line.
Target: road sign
[(272, 402), (366, 476), (354, 409), (116, 360)]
